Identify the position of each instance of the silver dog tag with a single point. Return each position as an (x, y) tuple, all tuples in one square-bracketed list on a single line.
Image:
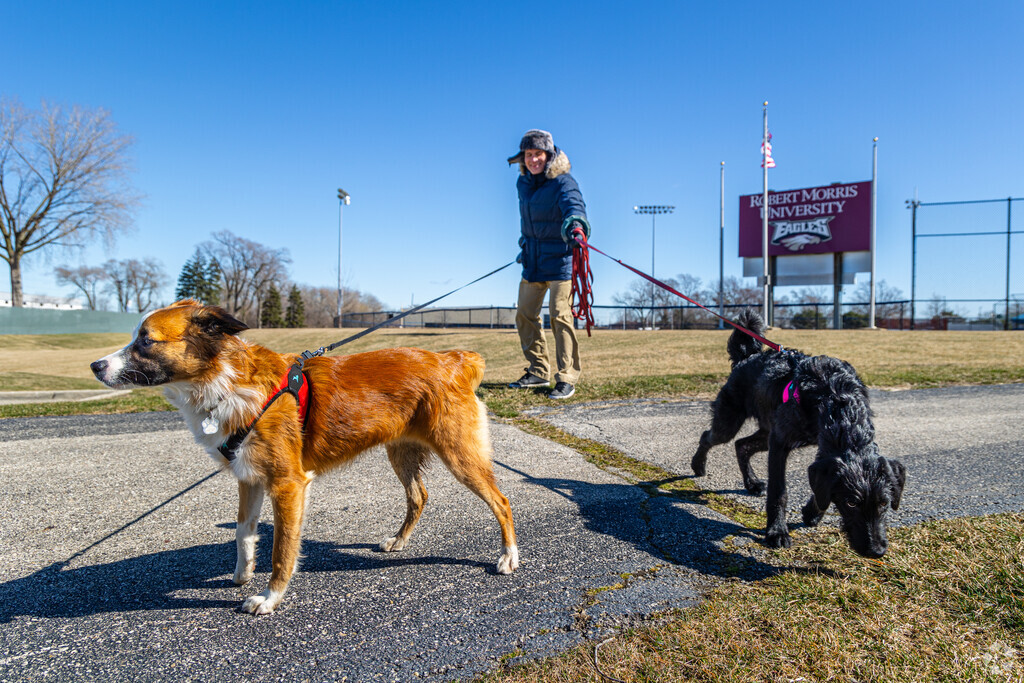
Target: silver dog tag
[(210, 425)]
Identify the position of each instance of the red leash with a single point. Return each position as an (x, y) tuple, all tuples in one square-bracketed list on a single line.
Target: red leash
[(583, 279), (582, 296)]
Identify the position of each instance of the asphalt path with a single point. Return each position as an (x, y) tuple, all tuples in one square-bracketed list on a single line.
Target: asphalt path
[(117, 547)]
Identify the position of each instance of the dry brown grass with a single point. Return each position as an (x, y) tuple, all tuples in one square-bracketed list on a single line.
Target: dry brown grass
[(616, 364), (885, 359)]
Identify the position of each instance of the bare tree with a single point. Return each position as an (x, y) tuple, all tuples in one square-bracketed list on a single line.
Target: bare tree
[(321, 304), (669, 310), (247, 269), (884, 298), (735, 293), (814, 310), (812, 295), (63, 182), (117, 283), (135, 282), (86, 279), (149, 279), (636, 302), (691, 286)]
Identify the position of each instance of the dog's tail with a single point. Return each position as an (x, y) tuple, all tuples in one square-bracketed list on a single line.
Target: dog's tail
[(741, 345)]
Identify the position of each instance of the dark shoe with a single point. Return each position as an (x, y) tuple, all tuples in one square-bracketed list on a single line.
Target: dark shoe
[(562, 390), (529, 381)]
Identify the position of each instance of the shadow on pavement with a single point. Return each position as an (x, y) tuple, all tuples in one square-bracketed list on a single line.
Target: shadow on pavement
[(148, 582), (660, 525)]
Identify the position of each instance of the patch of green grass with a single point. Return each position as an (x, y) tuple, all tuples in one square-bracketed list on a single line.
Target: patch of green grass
[(34, 343), (30, 381), (945, 604), (505, 402), (138, 401)]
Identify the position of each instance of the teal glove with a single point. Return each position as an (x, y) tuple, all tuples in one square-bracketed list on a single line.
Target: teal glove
[(570, 224)]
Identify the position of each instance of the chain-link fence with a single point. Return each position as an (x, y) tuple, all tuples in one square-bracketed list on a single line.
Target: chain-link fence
[(963, 248), (893, 315)]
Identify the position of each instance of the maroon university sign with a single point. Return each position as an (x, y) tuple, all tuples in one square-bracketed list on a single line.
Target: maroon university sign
[(814, 220)]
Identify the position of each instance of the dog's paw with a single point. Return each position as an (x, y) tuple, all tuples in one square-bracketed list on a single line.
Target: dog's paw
[(811, 514), (778, 540), (699, 466), (509, 560), (264, 603), (755, 487), (244, 573), (392, 545)]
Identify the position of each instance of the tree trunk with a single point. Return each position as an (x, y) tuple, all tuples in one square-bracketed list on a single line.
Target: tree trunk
[(17, 297)]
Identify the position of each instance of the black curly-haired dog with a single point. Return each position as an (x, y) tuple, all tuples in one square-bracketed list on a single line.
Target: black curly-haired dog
[(799, 400)]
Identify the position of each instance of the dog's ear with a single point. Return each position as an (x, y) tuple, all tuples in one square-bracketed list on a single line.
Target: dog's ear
[(897, 475), (215, 320), (822, 476)]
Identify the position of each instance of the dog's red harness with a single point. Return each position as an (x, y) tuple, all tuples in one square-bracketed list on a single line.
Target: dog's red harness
[(295, 383), (791, 391)]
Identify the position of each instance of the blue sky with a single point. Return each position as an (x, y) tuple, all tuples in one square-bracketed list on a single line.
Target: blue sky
[(248, 117)]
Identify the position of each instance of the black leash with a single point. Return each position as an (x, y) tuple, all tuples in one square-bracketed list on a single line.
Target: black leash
[(124, 526), (326, 349)]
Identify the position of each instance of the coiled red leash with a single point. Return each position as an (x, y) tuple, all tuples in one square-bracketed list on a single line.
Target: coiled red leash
[(582, 297)]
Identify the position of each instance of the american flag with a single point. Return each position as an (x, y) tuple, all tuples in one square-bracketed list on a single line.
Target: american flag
[(766, 153)]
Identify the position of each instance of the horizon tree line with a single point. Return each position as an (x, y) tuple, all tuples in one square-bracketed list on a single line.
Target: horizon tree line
[(243, 276)]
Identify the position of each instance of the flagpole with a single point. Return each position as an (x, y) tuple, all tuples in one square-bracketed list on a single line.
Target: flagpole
[(764, 217), (874, 205), (721, 251)]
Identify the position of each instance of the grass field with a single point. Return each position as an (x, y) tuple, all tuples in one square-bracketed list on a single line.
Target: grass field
[(617, 364), (945, 604)]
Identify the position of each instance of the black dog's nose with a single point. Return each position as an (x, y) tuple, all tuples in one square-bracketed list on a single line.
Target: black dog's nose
[(876, 552), (98, 367)]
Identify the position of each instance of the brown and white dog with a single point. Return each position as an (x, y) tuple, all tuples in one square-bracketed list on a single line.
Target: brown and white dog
[(410, 400)]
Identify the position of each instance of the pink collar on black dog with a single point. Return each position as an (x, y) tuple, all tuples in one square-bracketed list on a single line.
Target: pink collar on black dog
[(791, 390)]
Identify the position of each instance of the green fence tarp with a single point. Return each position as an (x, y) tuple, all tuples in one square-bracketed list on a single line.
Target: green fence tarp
[(43, 321)]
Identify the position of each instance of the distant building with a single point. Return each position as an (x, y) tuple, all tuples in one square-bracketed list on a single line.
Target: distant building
[(57, 303)]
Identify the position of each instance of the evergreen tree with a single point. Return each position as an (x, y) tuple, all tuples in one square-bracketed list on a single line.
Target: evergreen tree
[(187, 279), (208, 287), (270, 316), (199, 279), (295, 316)]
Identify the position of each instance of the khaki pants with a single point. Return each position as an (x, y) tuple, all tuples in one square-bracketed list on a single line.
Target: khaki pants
[(531, 329)]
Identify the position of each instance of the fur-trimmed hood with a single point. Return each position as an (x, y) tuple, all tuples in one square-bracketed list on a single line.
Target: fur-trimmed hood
[(557, 165)]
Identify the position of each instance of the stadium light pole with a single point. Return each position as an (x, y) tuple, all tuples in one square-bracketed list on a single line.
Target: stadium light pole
[(654, 210), (343, 199)]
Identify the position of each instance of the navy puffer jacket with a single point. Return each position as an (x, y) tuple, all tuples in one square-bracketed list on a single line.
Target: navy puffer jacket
[(545, 201)]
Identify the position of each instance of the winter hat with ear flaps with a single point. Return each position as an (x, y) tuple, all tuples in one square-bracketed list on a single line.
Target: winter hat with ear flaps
[(535, 139)]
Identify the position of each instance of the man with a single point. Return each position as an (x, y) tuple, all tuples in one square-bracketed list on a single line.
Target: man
[(550, 208)]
